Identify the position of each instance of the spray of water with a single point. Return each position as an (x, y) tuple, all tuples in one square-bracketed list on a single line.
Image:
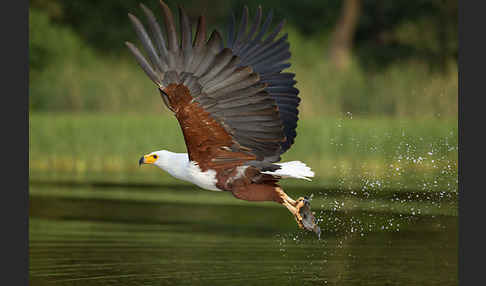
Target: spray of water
[(420, 180)]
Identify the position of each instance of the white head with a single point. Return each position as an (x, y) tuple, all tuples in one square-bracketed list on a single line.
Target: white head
[(179, 166), (159, 158)]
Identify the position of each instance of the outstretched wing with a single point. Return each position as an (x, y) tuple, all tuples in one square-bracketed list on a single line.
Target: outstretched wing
[(268, 57), (227, 102)]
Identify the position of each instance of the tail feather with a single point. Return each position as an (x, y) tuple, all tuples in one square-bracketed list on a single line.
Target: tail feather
[(293, 169)]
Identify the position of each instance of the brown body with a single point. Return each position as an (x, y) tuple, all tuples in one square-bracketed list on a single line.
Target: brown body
[(206, 139)]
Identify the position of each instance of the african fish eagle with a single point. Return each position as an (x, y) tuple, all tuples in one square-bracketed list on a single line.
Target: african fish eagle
[(236, 108)]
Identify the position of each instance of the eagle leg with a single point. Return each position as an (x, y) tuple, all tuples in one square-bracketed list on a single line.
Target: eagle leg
[(301, 211), (300, 208)]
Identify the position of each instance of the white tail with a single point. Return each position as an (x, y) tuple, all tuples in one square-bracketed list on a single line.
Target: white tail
[(293, 169)]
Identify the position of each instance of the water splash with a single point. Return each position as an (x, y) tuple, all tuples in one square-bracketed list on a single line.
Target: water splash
[(420, 181)]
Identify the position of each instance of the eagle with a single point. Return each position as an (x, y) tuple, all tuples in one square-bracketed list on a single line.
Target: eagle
[(236, 107)]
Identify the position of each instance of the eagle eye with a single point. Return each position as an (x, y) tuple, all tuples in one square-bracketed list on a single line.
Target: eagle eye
[(155, 156)]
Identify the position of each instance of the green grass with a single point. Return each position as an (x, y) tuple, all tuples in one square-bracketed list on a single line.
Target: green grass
[(67, 74), (348, 153)]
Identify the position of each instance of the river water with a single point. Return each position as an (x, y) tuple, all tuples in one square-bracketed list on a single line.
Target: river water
[(77, 239)]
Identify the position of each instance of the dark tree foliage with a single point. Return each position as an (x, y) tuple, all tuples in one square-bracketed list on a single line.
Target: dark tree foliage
[(376, 40), (379, 39)]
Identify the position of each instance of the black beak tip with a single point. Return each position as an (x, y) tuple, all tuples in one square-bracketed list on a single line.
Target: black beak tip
[(140, 162)]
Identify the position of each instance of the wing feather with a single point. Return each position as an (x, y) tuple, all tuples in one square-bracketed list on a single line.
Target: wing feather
[(147, 43), (268, 58), (170, 28), (146, 67), (157, 34)]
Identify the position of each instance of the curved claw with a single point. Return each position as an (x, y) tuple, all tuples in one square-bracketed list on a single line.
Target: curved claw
[(306, 218), (301, 211)]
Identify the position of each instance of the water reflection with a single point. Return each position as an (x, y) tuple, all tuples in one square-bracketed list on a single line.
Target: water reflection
[(87, 241)]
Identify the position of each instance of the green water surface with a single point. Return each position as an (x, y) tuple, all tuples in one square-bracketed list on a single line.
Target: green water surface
[(184, 236)]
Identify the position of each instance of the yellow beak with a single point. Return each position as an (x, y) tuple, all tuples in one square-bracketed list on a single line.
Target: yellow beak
[(147, 159)]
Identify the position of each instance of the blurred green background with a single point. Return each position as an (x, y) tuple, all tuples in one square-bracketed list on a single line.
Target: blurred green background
[(378, 82), (378, 125)]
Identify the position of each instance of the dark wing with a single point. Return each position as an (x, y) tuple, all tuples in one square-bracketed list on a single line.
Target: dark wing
[(227, 110), (268, 57)]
